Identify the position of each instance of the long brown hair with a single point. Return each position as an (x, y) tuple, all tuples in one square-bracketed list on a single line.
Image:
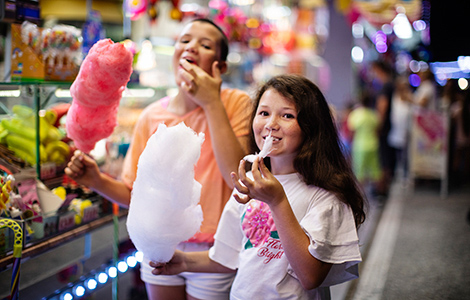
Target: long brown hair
[(320, 161)]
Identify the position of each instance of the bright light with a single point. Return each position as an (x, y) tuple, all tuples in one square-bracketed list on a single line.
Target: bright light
[(277, 12), (102, 277), (122, 266), (414, 80), (66, 296), (139, 256), (234, 58), (357, 54), (401, 25), (387, 29), (380, 42), (10, 93), (419, 25), (189, 7), (357, 30), (131, 261), (381, 47), (112, 272), (414, 66), (243, 2), (60, 93), (91, 284), (464, 63), (79, 291), (463, 83)]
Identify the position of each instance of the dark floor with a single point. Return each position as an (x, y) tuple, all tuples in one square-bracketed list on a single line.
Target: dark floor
[(421, 246)]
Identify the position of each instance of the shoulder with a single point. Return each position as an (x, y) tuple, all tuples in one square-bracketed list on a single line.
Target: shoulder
[(230, 94), (234, 97), (154, 106)]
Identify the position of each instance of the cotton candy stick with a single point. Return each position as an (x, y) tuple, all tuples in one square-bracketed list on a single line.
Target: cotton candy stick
[(267, 148)]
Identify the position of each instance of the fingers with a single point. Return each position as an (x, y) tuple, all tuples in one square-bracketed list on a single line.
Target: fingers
[(216, 69), (238, 184), (265, 173), (255, 169)]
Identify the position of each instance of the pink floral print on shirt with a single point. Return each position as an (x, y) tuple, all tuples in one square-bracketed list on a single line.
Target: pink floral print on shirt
[(258, 224)]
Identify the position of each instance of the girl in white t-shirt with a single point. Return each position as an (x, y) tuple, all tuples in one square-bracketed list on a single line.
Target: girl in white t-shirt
[(290, 229)]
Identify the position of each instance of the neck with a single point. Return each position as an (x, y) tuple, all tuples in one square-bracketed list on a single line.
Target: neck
[(181, 104), (282, 165)]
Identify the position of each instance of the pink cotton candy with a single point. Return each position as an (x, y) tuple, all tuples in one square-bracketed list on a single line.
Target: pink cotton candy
[(86, 134), (96, 93)]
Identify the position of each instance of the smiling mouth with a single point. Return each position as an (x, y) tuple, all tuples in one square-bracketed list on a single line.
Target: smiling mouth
[(275, 139), (189, 60)]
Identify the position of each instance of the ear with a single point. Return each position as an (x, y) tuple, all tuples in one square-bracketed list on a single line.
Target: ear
[(222, 66)]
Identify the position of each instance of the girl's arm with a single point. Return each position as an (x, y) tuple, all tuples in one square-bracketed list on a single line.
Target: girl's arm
[(205, 90), (310, 271), (84, 170), (189, 262)]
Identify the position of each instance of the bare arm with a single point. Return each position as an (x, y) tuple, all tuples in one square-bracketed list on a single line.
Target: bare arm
[(205, 91), (310, 271), (84, 170), (189, 262)]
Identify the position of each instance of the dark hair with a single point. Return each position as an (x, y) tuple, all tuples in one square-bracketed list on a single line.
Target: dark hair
[(223, 42), (320, 160), (384, 67)]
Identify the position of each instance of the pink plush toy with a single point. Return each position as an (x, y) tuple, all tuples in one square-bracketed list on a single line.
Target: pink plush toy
[(96, 93)]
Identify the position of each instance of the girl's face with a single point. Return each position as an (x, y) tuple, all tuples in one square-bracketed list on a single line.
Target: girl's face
[(277, 115), (198, 43)]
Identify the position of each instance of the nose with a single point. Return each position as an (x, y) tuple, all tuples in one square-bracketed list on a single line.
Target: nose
[(191, 46), (272, 123)]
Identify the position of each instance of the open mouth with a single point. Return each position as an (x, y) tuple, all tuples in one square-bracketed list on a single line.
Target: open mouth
[(190, 60), (275, 139)]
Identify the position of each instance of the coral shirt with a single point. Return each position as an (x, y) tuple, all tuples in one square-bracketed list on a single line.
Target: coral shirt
[(215, 192)]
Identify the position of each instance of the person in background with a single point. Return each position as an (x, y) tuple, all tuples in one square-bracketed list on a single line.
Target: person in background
[(385, 74), (345, 133), (363, 122), (290, 229), (222, 115), (400, 118), (425, 95)]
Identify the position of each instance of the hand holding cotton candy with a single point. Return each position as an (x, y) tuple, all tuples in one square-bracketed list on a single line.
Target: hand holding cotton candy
[(96, 93), (164, 209), (267, 148)]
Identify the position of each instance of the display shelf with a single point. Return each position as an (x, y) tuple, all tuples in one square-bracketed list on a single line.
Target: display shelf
[(50, 256), (56, 240)]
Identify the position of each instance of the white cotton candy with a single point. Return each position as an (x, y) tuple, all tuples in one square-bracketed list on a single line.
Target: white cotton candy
[(267, 148), (164, 208)]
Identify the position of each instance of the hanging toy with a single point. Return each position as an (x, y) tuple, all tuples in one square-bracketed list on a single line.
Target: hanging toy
[(5, 191), (136, 8), (152, 10), (175, 12)]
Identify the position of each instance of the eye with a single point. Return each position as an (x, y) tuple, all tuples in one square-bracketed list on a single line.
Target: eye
[(207, 47), (289, 116), (263, 113)]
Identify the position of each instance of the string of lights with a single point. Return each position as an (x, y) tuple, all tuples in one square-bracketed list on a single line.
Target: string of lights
[(97, 278)]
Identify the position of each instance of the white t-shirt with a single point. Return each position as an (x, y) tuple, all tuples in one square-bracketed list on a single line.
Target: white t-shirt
[(426, 90), (263, 269), (400, 115)]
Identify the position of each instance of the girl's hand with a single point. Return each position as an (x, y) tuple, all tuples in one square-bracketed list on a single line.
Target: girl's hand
[(264, 186), (175, 266), (83, 169), (203, 87)]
